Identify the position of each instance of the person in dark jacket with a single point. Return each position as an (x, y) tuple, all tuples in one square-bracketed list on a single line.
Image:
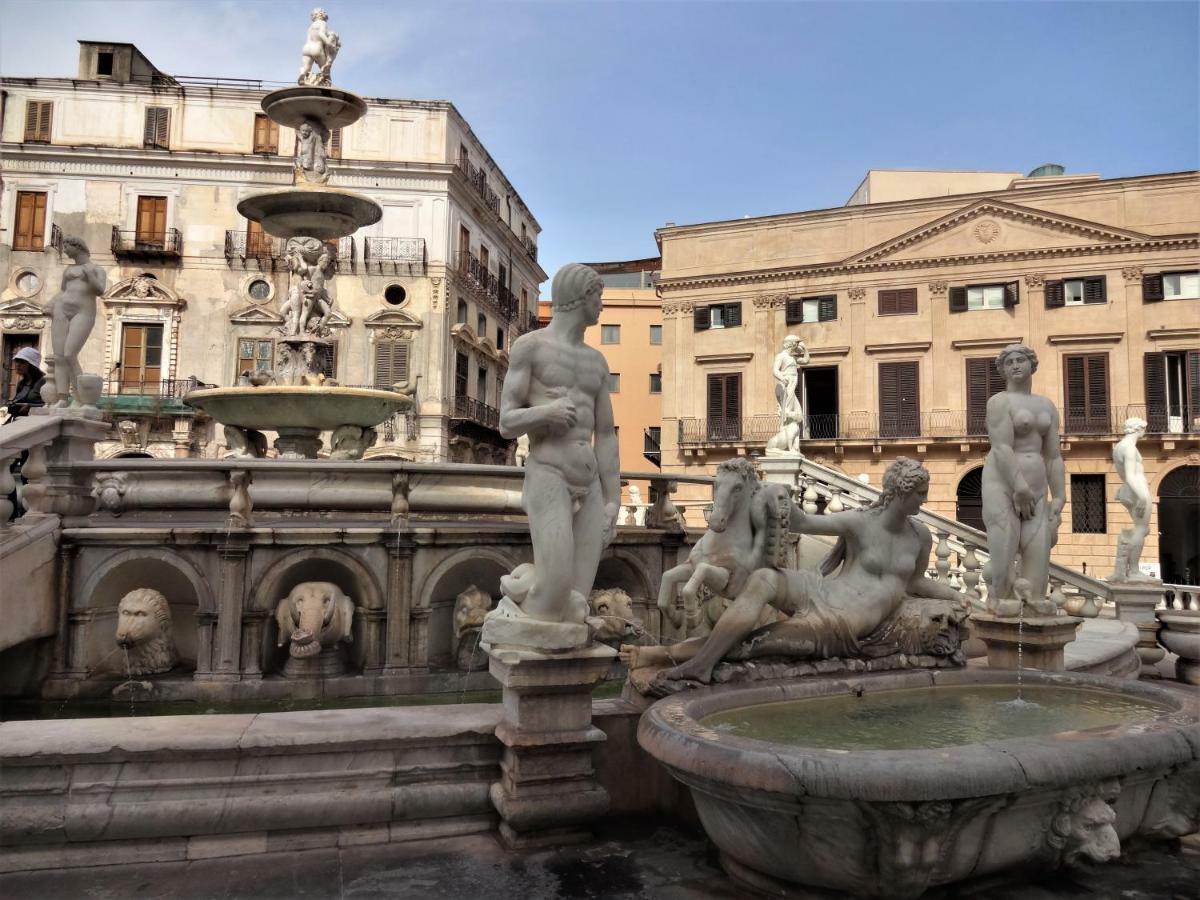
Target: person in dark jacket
[(28, 363)]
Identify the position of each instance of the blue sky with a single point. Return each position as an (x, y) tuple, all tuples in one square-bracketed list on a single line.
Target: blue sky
[(612, 118)]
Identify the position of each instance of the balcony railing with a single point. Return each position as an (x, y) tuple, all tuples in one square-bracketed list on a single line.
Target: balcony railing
[(943, 424), (530, 247), (528, 322), (134, 395), (472, 410), (241, 247), (395, 254), (167, 243), (486, 287), (56, 237), (477, 178)]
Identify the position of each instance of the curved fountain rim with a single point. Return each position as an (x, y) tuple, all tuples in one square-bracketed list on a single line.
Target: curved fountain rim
[(717, 762), (294, 389)]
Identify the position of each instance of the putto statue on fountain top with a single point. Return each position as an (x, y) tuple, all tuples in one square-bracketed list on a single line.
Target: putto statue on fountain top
[(321, 48)]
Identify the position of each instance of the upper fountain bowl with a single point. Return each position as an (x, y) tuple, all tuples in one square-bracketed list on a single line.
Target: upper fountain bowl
[(310, 211), (332, 107)]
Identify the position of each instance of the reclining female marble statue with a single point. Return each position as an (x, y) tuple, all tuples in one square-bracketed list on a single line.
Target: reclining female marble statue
[(880, 558)]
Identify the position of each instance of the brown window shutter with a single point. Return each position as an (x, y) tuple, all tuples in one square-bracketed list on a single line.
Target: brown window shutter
[(982, 382), (38, 115), (391, 363), (899, 399), (906, 302), (31, 120), (793, 311), (1095, 289), (725, 407), (958, 299), (162, 128), (44, 117), (29, 230), (733, 314), (1098, 393), (1193, 389), (1152, 288), (887, 303), (1085, 384), (700, 318), (1055, 295), (1012, 294), (827, 308), (1154, 374), (156, 130), (335, 144)]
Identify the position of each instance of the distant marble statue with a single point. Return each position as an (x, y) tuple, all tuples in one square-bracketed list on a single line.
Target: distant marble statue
[(144, 632), (308, 306), (556, 391), (321, 48), (522, 450), (73, 313), (314, 616), (1024, 463), (312, 162), (745, 533), (1134, 495), (786, 370), (880, 558), (787, 439), (470, 609)]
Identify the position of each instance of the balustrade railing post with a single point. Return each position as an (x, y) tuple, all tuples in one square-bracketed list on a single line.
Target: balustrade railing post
[(942, 553)]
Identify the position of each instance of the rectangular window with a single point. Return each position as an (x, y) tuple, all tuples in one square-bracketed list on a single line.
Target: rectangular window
[(717, 315), (157, 131), (984, 296), (610, 334), (652, 439), (725, 407), (464, 240), (898, 302), (899, 399), (481, 393), (1088, 513), (1085, 389), (29, 230), (141, 359), (461, 312), (461, 364), (1172, 382), (614, 382), (655, 383), (255, 355), (328, 360), (104, 62), (804, 310), (499, 338), (38, 114), (391, 363), (655, 335), (266, 135), (481, 324), (151, 221), (1181, 285), (982, 382), (485, 259), (335, 143), (1076, 291)]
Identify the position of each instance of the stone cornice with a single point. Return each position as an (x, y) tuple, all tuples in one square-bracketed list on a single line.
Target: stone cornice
[(828, 351), (899, 347), (1095, 337), (722, 359), (1173, 334), (984, 343)]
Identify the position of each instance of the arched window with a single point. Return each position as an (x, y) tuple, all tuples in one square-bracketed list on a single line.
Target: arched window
[(1178, 536), (969, 508)]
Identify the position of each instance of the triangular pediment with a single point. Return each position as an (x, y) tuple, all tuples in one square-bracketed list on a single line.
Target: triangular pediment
[(142, 290), (21, 307), (337, 320), (992, 226), (391, 318), (256, 315)]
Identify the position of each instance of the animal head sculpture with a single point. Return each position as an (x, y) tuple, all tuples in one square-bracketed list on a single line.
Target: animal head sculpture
[(470, 607), (144, 632), (1082, 827), (314, 615), (921, 626), (611, 615)]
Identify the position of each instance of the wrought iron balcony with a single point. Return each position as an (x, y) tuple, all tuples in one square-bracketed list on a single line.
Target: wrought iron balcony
[(136, 395), (472, 410), (395, 254), (164, 244), (56, 237), (530, 247), (477, 178), (486, 287), (241, 247)]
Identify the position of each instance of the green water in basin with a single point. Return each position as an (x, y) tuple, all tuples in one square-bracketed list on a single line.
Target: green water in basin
[(929, 718)]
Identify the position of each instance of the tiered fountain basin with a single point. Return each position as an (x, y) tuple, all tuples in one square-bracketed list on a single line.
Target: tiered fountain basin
[(336, 108), (928, 779), (311, 211)]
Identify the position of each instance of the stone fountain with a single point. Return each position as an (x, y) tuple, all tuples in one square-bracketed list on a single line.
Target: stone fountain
[(297, 400)]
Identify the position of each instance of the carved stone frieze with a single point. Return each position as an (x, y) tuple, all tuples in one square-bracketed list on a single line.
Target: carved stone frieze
[(857, 294), (986, 231), (770, 301), (1035, 280), (1132, 273), (938, 288)]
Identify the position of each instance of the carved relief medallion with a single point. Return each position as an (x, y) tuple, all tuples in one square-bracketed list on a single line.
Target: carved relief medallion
[(986, 231)]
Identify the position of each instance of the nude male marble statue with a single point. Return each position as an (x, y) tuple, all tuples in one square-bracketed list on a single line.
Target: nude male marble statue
[(556, 392), (1134, 495), (320, 49)]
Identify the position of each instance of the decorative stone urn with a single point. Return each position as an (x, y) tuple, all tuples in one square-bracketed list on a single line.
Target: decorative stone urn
[(1180, 633)]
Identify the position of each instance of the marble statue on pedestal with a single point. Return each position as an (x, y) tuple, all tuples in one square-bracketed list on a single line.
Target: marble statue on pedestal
[(786, 371), (321, 47), (1134, 495), (556, 391), (73, 314), (878, 562), (1023, 466)]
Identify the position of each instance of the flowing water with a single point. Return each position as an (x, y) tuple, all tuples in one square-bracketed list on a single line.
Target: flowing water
[(928, 718)]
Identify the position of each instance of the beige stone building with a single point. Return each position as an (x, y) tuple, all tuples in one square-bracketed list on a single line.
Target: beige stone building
[(904, 297), (148, 169)]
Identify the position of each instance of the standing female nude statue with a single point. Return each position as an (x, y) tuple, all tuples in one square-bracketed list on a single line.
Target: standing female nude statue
[(883, 554), (73, 313), (1023, 464)]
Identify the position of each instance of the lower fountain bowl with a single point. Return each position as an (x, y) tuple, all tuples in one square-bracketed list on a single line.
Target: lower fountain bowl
[(896, 822), (320, 212), (276, 407)]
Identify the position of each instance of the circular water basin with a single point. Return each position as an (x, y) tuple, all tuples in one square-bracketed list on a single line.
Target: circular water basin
[(273, 407)]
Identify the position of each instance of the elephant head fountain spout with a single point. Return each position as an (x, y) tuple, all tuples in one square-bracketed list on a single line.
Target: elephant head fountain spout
[(314, 620)]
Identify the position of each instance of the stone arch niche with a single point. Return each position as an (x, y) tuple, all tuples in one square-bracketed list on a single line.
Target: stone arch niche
[(345, 570), (479, 566), (93, 622), (630, 573), (1178, 536), (968, 506)]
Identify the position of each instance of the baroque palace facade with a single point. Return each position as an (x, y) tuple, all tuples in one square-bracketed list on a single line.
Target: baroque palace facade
[(903, 298), (148, 169)]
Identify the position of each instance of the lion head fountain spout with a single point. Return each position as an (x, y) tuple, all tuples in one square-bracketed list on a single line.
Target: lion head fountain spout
[(144, 632), (314, 620)]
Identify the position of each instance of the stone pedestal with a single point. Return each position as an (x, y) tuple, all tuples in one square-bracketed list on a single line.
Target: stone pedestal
[(547, 793), (1136, 602), (1041, 640), (1181, 635)]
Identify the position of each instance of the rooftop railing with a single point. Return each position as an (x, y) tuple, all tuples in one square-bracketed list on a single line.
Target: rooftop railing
[(395, 254)]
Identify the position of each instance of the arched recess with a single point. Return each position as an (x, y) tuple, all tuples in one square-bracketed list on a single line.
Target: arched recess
[(479, 566), (619, 569), (166, 571), (968, 507), (1178, 534)]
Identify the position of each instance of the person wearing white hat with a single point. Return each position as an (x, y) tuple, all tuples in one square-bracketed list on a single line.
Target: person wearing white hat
[(28, 364)]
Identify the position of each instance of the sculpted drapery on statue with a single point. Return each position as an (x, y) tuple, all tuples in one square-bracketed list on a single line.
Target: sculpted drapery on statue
[(556, 392), (1134, 495), (1023, 465)]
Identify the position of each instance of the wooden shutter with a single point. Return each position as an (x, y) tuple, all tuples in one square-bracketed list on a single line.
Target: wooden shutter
[(460, 374), (335, 143), (1085, 384), (700, 318), (733, 314), (1055, 295), (1095, 289), (827, 308), (725, 407), (1152, 288), (983, 381), (391, 363), (266, 135), (29, 230), (38, 114), (958, 299), (152, 220), (1012, 294), (899, 399), (1193, 389), (793, 311), (155, 133), (899, 302), (1154, 376)]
